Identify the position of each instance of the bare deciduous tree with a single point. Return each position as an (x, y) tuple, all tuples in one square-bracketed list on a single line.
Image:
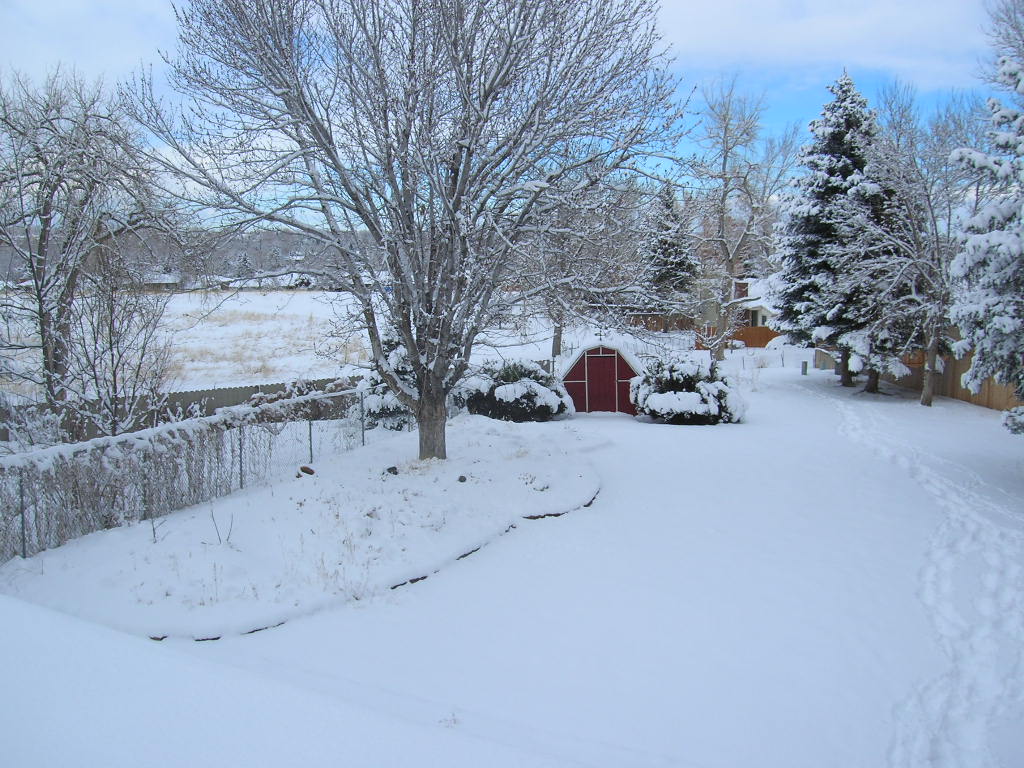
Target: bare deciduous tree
[(737, 181), (439, 130), (74, 187), (120, 356), (920, 238), (587, 261)]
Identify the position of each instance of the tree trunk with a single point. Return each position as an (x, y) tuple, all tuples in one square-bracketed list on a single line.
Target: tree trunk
[(431, 418), (872, 385), (556, 340), (930, 370), (721, 333), (845, 376)]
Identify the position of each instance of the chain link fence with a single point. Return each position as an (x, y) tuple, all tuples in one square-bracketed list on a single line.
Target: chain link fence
[(53, 495)]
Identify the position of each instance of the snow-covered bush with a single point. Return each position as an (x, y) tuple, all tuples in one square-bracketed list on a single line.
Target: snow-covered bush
[(515, 390), (381, 408), (685, 392)]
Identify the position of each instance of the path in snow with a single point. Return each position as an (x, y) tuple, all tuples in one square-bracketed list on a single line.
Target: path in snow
[(972, 582), (737, 596)]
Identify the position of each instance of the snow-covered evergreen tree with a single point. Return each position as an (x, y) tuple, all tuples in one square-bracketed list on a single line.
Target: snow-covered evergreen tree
[(902, 211), (883, 290), (673, 264), (989, 308), (817, 249)]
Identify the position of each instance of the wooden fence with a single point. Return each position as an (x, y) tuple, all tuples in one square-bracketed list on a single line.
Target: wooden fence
[(751, 336), (206, 401), (948, 384), (999, 397), (755, 335)]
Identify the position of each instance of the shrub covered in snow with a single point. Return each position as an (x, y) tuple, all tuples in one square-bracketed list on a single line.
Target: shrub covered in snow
[(514, 390), (685, 392), (381, 407)]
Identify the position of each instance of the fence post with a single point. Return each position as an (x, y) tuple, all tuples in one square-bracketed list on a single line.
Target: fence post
[(241, 457), (310, 422), (803, 368), (362, 419), (21, 505), (145, 487)]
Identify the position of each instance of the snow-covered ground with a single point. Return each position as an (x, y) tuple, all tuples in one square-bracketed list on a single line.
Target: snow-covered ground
[(363, 522), (835, 582)]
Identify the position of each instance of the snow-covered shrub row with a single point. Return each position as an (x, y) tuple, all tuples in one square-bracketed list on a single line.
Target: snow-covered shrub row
[(55, 494), (685, 392), (514, 390)]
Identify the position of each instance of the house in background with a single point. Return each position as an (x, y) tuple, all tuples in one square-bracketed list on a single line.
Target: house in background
[(754, 331), (759, 311), (161, 281)]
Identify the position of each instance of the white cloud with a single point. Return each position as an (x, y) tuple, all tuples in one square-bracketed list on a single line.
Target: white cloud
[(934, 44)]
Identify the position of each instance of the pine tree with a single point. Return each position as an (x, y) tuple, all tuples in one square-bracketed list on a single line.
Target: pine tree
[(883, 288), (989, 307), (822, 295), (674, 267)]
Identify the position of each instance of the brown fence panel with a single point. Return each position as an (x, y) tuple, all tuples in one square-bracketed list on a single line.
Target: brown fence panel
[(999, 397), (823, 360), (755, 336)]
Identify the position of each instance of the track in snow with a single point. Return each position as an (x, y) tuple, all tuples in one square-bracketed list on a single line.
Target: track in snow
[(972, 584)]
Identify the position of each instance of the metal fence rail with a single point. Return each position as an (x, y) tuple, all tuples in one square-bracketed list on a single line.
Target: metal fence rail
[(50, 496)]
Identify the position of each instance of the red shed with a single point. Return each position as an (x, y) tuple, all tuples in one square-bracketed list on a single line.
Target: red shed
[(599, 381)]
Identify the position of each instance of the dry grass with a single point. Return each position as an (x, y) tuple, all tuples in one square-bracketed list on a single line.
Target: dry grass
[(229, 317), (248, 344)]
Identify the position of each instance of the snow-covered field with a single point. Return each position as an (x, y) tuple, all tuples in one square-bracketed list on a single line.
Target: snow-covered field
[(253, 337), (838, 581), (258, 337)]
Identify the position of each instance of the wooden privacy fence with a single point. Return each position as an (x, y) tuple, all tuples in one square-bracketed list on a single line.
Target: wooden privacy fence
[(755, 335), (203, 402), (999, 397), (948, 384)]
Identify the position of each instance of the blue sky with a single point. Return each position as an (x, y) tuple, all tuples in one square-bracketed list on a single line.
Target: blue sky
[(787, 49)]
